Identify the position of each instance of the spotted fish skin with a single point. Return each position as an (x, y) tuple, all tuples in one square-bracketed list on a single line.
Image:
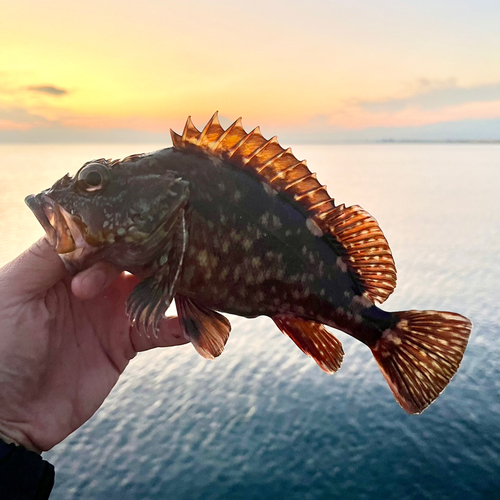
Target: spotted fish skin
[(250, 252), (231, 222)]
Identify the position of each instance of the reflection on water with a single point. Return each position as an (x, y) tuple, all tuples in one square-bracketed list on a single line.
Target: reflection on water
[(262, 421)]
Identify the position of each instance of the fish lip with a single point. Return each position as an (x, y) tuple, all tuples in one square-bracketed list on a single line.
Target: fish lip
[(53, 219)]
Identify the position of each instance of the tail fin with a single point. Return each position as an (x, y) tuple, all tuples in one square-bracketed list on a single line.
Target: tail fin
[(419, 355)]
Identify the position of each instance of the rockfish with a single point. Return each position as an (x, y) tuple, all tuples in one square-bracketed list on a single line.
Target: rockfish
[(228, 221)]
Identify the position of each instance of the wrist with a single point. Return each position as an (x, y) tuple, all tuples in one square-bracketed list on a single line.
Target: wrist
[(18, 439)]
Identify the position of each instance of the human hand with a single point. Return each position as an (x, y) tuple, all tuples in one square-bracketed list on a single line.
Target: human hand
[(64, 341)]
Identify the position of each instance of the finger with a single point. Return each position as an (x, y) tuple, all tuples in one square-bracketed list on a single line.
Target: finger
[(170, 334), (92, 281), (33, 272)]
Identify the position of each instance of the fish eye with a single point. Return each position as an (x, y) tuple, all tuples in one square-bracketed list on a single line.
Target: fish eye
[(93, 177)]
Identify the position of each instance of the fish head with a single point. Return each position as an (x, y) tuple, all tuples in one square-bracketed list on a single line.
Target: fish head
[(114, 211)]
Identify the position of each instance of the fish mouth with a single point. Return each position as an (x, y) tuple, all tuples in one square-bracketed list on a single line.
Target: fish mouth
[(59, 227)]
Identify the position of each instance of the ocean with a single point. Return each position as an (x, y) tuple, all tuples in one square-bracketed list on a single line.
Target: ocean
[(262, 421)]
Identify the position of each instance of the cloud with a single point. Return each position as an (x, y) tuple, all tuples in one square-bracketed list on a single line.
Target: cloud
[(48, 89), (20, 115), (432, 95)]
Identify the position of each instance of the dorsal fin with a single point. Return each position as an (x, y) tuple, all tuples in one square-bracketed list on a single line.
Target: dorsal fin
[(367, 252)]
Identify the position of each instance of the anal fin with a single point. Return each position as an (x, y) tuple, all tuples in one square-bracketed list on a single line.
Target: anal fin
[(419, 355), (314, 340), (207, 330)]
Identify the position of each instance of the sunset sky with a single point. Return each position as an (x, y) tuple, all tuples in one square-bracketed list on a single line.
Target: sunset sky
[(313, 71)]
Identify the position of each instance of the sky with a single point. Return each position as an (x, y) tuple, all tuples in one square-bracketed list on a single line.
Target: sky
[(317, 71)]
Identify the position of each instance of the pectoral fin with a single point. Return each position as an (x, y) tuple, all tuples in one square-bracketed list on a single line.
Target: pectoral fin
[(207, 330), (150, 299)]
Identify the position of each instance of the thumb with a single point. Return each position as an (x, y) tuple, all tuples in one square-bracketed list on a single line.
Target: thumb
[(33, 272)]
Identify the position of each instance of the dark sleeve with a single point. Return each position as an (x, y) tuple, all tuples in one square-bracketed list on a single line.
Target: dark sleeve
[(24, 475)]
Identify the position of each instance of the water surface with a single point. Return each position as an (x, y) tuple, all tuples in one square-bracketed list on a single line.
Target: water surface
[(263, 421)]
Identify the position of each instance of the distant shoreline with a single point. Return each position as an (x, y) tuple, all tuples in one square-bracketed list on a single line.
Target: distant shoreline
[(438, 141), (297, 142)]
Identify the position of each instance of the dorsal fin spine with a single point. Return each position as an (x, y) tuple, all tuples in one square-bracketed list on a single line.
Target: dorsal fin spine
[(309, 193), (273, 159), (321, 203), (212, 121), (301, 179), (176, 139), (324, 215), (187, 128), (283, 172), (273, 140), (243, 141), (227, 132)]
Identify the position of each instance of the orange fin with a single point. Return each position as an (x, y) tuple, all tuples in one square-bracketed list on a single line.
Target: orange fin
[(207, 330), (251, 151), (314, 340), (420, 355), (367, 251)]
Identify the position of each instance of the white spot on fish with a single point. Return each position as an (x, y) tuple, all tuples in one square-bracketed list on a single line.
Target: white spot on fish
[(276, 222), (237, 195), (120, 231), (314, 228), (202, 258), (403, 324), (268, 189), (361, 300), (256, 262), (391, 336), (341, 264), (216, 161)]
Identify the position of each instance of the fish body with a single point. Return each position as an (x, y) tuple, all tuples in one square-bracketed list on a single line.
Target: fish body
[(228, 221)]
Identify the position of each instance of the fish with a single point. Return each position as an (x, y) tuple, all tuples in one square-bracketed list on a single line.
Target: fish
[(226, 221)]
